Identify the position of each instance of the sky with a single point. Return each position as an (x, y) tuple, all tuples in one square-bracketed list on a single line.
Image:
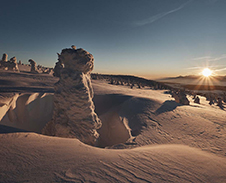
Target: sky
[(148, 38)]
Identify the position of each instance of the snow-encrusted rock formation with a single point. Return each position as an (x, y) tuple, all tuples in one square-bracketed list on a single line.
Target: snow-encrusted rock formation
[(3, 62), (58, 67), (9, 65), (180, 97), (12, 64), (4, 57), (74, 114), (33, 66)]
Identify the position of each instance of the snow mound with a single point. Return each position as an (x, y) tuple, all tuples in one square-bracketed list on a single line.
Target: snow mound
[(142, 117)]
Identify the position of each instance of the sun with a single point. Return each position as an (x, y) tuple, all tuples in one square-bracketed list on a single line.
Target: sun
[(207, 72)]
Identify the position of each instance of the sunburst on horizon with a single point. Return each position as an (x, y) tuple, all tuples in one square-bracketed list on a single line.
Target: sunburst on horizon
[(207, 78), (207, 72)]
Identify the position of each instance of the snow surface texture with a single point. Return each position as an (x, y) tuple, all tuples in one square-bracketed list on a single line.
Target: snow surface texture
[(29, 157), (74, 114), (153, 117)]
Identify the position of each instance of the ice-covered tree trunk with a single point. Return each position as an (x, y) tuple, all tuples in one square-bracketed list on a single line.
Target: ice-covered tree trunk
[(12, 64), (33, 66), (74, 114), (3, 62), (4, 57)]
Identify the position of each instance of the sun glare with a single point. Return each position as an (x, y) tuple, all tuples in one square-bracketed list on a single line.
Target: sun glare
[(207, 72)]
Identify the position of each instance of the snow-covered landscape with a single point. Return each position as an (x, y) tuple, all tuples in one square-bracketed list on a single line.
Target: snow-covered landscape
[(145, 136), (100, 91)]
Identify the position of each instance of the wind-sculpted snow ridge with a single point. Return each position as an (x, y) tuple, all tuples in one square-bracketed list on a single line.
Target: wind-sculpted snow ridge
[(74, 114), (27, 111)]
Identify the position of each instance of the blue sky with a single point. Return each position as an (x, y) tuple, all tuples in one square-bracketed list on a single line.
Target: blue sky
[(150, 38)]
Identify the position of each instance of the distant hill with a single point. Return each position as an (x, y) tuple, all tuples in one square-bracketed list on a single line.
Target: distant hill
[(194, 82), (219, 78)]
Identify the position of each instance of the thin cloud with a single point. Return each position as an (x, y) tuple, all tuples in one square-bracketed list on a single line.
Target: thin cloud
[(193, 68), (202, 58), (223, 69), (211, 59), (218, 58), (159, 16)]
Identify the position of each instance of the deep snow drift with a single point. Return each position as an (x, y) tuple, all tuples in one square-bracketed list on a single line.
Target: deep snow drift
[(176, 143), (28, 111)]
